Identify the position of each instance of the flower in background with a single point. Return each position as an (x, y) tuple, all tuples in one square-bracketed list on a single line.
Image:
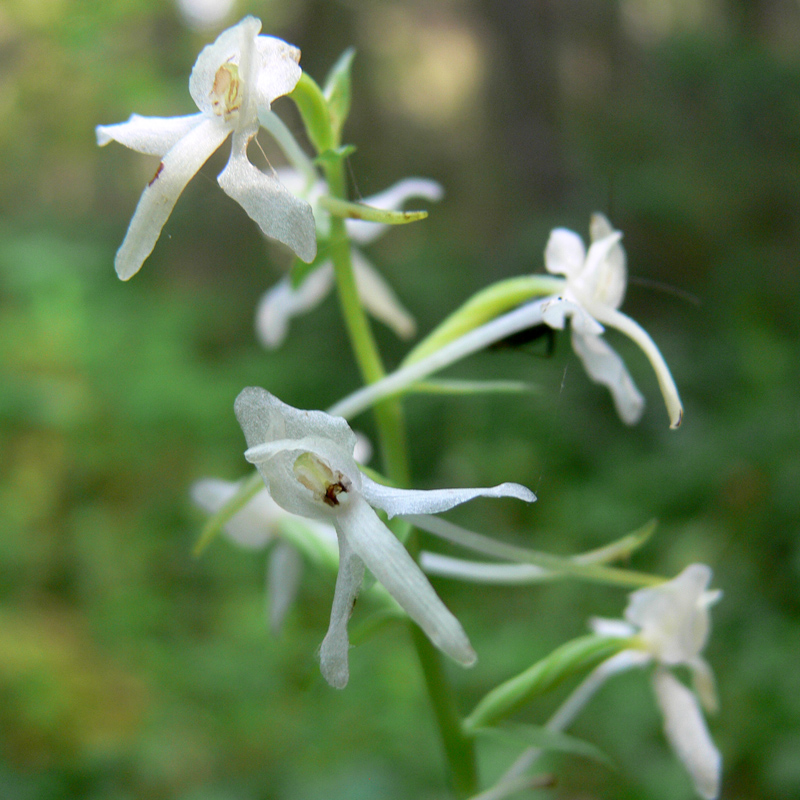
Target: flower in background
[(284, 301), (233, 79), (668, 625), (204, 14), (595, 287), (306, 461), (262, 523)]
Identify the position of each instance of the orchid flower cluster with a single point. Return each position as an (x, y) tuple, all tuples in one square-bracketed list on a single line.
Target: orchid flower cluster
[(312, 499)]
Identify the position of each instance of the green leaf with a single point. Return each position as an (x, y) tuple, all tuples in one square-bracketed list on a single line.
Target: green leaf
[(573, 657), (621, 548), (545, 739), (338, 92)]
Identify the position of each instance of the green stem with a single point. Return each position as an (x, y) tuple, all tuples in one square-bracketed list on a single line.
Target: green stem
[(458, 748)]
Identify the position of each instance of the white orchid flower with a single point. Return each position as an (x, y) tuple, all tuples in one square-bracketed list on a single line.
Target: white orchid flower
[(283, 301), (261, 524), (306, 461), (233, 79), (668, 625), (595, 287)]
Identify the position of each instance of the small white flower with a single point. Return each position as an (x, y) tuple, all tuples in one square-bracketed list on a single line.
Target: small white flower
[(283, 301), (263, 523), (595, 287), (670, 624), (233, 79), (306, 461)]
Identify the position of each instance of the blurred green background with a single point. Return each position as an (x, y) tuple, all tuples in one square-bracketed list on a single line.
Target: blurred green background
[(130, 669)]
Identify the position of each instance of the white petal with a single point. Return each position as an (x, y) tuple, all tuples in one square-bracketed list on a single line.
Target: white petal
[(687, 733), (265, 418), (605, 367), (419, 501), (283, 302), (284, 569), (392, 199), (150, 135), (204, 14), (225, 50), (611, 627), (604, 277), (391, 564), (335, 645), (618, 320), (703, 684), (278, 69), (673, 617), (379, 298), (564, 253), (557, 310), (599, 227), (254, 526), (279, 214), (363, 449), (278, 434), (177, 168)]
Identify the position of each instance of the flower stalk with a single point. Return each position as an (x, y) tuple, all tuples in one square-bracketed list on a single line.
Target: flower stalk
[(459, 749)]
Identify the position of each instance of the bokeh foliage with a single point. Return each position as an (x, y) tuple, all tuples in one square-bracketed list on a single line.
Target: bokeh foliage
[(129, 669)]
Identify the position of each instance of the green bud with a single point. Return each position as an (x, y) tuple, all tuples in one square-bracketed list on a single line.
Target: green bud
[(313, 108), (338, 92), (343, 208)]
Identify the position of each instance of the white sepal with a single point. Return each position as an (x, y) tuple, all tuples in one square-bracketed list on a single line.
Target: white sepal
[(284, 570), (176, 169), (282, 302), (687, 733), (334, 649), (152, 136), (380, 299), (433, 501), (279, 214), (391, 564), (604, 366)]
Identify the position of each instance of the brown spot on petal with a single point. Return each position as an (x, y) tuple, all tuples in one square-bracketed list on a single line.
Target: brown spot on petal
[(158, 172)]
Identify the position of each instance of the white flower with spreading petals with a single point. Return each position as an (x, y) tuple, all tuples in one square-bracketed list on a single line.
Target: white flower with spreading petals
[(306, 461), (233, 79), (595, 287), (670, 624), (283, 301)]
